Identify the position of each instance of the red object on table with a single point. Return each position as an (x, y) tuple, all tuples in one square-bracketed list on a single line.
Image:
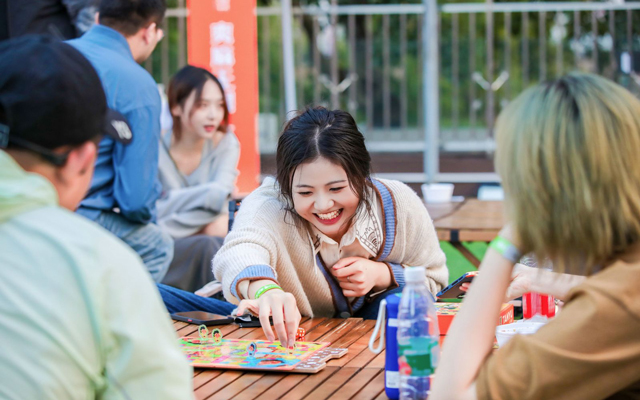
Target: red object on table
[(300, 335), (536, 303), (447, 311)]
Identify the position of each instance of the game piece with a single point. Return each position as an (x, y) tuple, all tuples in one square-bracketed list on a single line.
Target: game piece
[(217, 336), (300, 335), (251, 349), (203, 332), (291, 350)]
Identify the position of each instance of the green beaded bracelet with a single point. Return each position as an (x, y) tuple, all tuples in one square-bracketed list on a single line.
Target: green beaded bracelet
[(265, 289), (506, 249)]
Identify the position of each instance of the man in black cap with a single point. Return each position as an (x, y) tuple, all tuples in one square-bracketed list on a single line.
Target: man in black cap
[(80, 316)]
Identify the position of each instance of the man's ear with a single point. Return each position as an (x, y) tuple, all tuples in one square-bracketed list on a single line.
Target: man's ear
[(80, 162), (149, 32), (96, 18)]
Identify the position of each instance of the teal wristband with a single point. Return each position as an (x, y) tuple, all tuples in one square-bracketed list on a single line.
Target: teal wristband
[(265, 289), (506, 249)]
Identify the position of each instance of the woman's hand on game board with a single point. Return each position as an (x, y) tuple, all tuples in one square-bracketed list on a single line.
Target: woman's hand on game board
[(357, 276), (283, 309)]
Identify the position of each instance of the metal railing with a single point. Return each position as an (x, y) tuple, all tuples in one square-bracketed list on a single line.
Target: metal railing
[(367, 59)]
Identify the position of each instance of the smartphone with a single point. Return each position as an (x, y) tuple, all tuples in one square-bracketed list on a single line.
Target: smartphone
[(202, 318), (453, 291)]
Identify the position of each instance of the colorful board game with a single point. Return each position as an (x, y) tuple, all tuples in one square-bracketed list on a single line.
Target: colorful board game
[(215, 352)]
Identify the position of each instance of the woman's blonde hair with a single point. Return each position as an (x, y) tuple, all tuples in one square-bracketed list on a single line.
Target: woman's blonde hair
[(568, 153)]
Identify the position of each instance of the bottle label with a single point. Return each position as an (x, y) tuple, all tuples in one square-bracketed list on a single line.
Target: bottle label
[(418, 356), (392, 379)]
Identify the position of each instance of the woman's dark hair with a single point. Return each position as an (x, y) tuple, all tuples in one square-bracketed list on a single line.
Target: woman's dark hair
[(333, 135), (183, 83)]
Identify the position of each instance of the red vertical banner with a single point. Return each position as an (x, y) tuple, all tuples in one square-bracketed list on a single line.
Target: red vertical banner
[(222, 37)]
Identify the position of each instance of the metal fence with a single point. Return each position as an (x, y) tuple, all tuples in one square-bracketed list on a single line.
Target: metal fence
[(368, 59)]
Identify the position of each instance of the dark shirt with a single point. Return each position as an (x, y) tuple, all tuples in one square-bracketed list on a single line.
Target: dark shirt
[(23, 17)]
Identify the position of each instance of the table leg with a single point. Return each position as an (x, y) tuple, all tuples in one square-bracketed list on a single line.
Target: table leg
[(466, 253)]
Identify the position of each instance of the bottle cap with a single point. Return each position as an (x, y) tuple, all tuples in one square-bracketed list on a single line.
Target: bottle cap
[(414, 274)]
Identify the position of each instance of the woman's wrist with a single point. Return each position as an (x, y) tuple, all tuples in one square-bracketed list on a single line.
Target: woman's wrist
[(506, 249), (255, 286), (265, 289), (383, 277)]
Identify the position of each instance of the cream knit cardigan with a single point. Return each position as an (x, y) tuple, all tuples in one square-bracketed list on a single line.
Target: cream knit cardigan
[(265, 242)]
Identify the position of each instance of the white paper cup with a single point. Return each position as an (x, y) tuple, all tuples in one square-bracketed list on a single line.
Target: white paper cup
[(437, 192)]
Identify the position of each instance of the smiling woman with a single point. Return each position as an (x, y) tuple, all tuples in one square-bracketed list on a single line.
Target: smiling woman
[(323, 197), (325, 239)]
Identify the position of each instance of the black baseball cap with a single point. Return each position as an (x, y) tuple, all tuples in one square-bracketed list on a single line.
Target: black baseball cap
[(51, 96)]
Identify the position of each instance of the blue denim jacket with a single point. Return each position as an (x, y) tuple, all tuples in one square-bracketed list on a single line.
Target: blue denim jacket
[(126, 176)]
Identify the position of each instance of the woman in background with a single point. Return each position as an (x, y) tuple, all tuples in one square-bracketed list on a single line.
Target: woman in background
[(198, 168)]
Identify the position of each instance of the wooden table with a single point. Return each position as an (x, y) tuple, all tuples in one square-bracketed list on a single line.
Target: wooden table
[(357, 375), (466, 221)]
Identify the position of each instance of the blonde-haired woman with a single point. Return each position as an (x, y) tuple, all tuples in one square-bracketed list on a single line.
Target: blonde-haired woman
[(568, 153)]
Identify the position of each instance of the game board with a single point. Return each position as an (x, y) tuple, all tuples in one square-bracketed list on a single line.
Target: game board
[(306, 357)]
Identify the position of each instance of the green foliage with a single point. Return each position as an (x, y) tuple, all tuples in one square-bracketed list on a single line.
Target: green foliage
[(519, 47)]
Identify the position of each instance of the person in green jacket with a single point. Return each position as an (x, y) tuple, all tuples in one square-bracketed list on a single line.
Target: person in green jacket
[(80, 318)]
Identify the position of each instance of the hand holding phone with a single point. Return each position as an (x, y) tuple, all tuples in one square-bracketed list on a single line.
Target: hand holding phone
[(455, 290)]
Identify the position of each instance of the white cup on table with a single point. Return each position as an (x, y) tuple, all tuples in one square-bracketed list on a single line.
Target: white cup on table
[(437, 192)]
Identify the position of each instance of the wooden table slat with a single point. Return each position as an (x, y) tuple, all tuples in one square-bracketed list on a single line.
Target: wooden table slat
[(382, 396), (378, 361), (362, 359), (308, 384), (256, 389), (322, 329), (216, 384), (356, 348), (342, 328), (474, 214), (373, 388), (354, 334), (285, 385), (357, 384), (486, 235), (335, 382), (205, 376), (311, 324), (237, 386)]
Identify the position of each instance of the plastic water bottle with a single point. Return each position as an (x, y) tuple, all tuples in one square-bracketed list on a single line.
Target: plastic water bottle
[(418, 336)]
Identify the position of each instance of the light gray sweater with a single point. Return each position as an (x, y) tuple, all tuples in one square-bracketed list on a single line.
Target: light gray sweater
[(190, 202), (266, 243)]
